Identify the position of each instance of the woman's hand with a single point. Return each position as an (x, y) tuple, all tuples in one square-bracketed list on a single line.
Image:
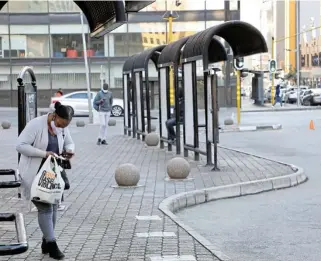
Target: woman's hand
[(50, 153), (68, 154)]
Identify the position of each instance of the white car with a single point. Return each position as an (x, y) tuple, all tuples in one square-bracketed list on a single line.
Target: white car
[(292, 94), (79, 102)]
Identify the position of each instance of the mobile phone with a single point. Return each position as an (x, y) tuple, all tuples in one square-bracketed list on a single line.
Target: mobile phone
[(67, 154)]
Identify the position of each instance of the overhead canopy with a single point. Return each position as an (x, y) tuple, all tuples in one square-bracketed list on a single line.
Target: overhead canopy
[(105, 16), (243, 38), (142, 59), (172, 52), (135, 6), (129, 64)]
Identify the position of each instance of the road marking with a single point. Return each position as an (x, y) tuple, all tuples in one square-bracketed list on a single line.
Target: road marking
[(173, 258), (148, 218), (180, 180), (247, 128), (156, 234)]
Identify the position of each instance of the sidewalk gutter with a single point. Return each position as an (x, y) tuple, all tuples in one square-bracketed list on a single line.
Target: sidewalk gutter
[(269, 109), (252, 128), (180, 201)]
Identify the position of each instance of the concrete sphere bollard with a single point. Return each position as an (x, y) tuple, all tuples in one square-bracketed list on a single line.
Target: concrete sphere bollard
[(80, 123), (228, 121), (178, 168), (152, 128), (6, 125), (127, 175), (112, 122), (152, 139)]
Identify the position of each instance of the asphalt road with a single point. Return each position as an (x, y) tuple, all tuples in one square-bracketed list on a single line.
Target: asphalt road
[(274, 226)]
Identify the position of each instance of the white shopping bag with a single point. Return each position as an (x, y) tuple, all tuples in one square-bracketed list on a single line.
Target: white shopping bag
[(48, 185)]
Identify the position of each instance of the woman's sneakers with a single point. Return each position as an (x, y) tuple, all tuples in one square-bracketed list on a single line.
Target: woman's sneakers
[(52, 249), (101, 142)]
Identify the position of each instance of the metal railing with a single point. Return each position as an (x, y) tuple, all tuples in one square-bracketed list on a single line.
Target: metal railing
[(22, 244)]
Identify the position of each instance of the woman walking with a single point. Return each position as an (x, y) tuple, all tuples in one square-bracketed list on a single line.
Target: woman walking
[(44, 136)]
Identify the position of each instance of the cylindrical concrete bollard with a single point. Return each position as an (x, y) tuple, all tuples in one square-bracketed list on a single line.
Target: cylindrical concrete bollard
[(152, 139), (112, 122), (80, 123), (6, 125), (178, 168), (127, 175), (228, 121)]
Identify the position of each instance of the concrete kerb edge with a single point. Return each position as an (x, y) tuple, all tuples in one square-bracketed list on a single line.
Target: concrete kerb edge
[(183, 200), (253, 128), (280, 110)]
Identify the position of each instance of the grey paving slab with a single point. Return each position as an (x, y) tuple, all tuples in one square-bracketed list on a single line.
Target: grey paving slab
[(100, 222)]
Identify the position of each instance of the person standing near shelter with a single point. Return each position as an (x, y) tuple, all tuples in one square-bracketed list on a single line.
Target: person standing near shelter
[(42, 137), (278, 96), (171, 123), (103, 103)]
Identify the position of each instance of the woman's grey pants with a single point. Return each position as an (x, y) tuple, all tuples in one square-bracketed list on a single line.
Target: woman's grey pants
[(47, 216)]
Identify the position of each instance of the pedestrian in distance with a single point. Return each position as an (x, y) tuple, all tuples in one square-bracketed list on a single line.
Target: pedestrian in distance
[(45, 136), (103, 104), (278, 96), (59, 93), (171, 123)]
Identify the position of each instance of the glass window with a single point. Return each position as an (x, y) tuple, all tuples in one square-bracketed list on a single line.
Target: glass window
[(5, 78), (4, 46), (158, 5), (215, 5), (183, 29), (63, 6), (187, 5), (119, 44), (26, 46), (140, 36), (81, 95), (34, 6), (233, 4), (95, 47), (69, 46)]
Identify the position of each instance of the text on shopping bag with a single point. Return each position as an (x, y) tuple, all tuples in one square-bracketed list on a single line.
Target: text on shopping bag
[(48, 180)]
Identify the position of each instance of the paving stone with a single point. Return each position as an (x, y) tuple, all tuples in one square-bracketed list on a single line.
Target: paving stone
[(100, 221)]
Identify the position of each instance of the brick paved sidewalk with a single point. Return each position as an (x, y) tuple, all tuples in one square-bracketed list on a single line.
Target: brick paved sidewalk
[(100, 221)]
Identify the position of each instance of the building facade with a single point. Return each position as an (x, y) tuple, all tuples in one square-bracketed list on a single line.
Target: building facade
[(47, 35)]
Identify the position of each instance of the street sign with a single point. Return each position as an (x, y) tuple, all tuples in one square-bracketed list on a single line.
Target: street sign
[(30, 101)]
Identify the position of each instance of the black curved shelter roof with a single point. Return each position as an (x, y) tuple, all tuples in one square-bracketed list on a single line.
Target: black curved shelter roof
[(129, 64), (142, 59), (135, 6), (243, 38), (217, 51), (99, 13), (172, 52)]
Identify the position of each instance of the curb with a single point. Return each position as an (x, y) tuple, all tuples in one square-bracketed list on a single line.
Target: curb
[(285, 109), (253, 128), (179, 201)]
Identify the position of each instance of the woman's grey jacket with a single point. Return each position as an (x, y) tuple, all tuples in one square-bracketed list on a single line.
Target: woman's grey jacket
[(32, 144)]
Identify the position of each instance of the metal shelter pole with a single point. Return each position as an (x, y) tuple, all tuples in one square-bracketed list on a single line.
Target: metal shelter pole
[(215, 117), (87, 69), (298, 53)]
